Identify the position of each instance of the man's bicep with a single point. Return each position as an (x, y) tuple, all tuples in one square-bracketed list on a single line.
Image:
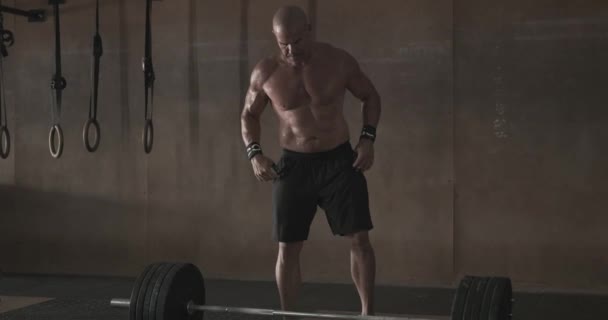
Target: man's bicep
[(360, 86), (255, 101), (357, 82)]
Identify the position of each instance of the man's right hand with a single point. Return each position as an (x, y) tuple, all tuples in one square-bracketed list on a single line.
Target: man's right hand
[(263, 168)]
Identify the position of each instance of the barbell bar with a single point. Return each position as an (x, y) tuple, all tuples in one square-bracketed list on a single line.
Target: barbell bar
[(170, 291), (191, 308)]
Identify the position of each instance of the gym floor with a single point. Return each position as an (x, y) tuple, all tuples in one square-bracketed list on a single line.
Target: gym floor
[(25, 297)]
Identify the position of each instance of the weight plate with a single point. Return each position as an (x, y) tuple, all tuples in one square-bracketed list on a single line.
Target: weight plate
[(159, 274), (460, 297), (184, 283), (477, 300), (487, 298), (141, 295), (156, 291), (501, 303), (135, 291), (466, 313)]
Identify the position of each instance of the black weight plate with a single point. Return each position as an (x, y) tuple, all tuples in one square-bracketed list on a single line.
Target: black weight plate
[(159, 274), (135, 292), (183, 284), (139, 305), (480, 290), (154, 297), (501, 303), (460, 297), (487, 298), (468, 303)]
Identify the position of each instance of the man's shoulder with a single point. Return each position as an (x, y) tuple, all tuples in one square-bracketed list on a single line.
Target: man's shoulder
[(339, 57), (266, 65), (264, 69), (334, 52)]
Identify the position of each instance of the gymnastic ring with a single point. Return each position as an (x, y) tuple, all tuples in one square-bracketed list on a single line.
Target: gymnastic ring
[(85, 135), (8, 38), (56, 150), (148, 136), (58, 83), (5, 142)]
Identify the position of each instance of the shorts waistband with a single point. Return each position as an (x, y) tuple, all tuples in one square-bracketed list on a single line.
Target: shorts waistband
[(342, 149)]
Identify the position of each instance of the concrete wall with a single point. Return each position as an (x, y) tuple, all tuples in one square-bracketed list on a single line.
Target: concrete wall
[(530, 143), (489, 157)]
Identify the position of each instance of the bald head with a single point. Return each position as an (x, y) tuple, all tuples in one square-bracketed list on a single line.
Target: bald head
[(289, 19), (292, 31)]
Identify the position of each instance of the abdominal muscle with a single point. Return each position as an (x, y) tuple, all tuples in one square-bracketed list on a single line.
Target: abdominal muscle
[(312, 128)]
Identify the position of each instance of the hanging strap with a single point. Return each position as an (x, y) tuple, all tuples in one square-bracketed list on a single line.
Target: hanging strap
[(92, 121), (58, 83), (3, 118), (148, 135), (5, 136), (97, 53), (6, 37)]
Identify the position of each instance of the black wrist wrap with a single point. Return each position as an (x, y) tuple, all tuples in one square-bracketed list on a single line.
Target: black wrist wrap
[(253, 149), (368, 132)]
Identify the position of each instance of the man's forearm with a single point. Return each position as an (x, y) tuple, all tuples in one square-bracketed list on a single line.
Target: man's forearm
[(371, 110), (250, 128)]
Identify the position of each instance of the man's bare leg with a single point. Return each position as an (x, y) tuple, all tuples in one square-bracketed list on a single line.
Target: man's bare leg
[(288, 274), (363, 270)]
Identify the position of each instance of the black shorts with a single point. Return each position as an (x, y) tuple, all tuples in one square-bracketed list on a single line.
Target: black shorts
[(325, 179)]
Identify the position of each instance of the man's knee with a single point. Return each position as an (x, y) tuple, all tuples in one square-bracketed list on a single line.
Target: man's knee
[(289, 251), (360, 240)]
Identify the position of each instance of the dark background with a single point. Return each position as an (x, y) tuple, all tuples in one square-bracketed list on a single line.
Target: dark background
[(491, 157)]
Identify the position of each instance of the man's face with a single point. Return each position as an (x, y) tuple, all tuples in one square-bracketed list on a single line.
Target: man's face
[(294, 44)]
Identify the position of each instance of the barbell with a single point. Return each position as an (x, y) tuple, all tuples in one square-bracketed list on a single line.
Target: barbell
[(176, 291)]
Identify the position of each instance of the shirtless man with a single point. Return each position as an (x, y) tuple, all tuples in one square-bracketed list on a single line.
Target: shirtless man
[(306, 83)]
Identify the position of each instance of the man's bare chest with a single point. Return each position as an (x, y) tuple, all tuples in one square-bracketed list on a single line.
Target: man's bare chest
[(289, 89)]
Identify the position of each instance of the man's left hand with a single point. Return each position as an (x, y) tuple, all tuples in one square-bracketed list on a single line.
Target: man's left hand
[(365, 155)]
